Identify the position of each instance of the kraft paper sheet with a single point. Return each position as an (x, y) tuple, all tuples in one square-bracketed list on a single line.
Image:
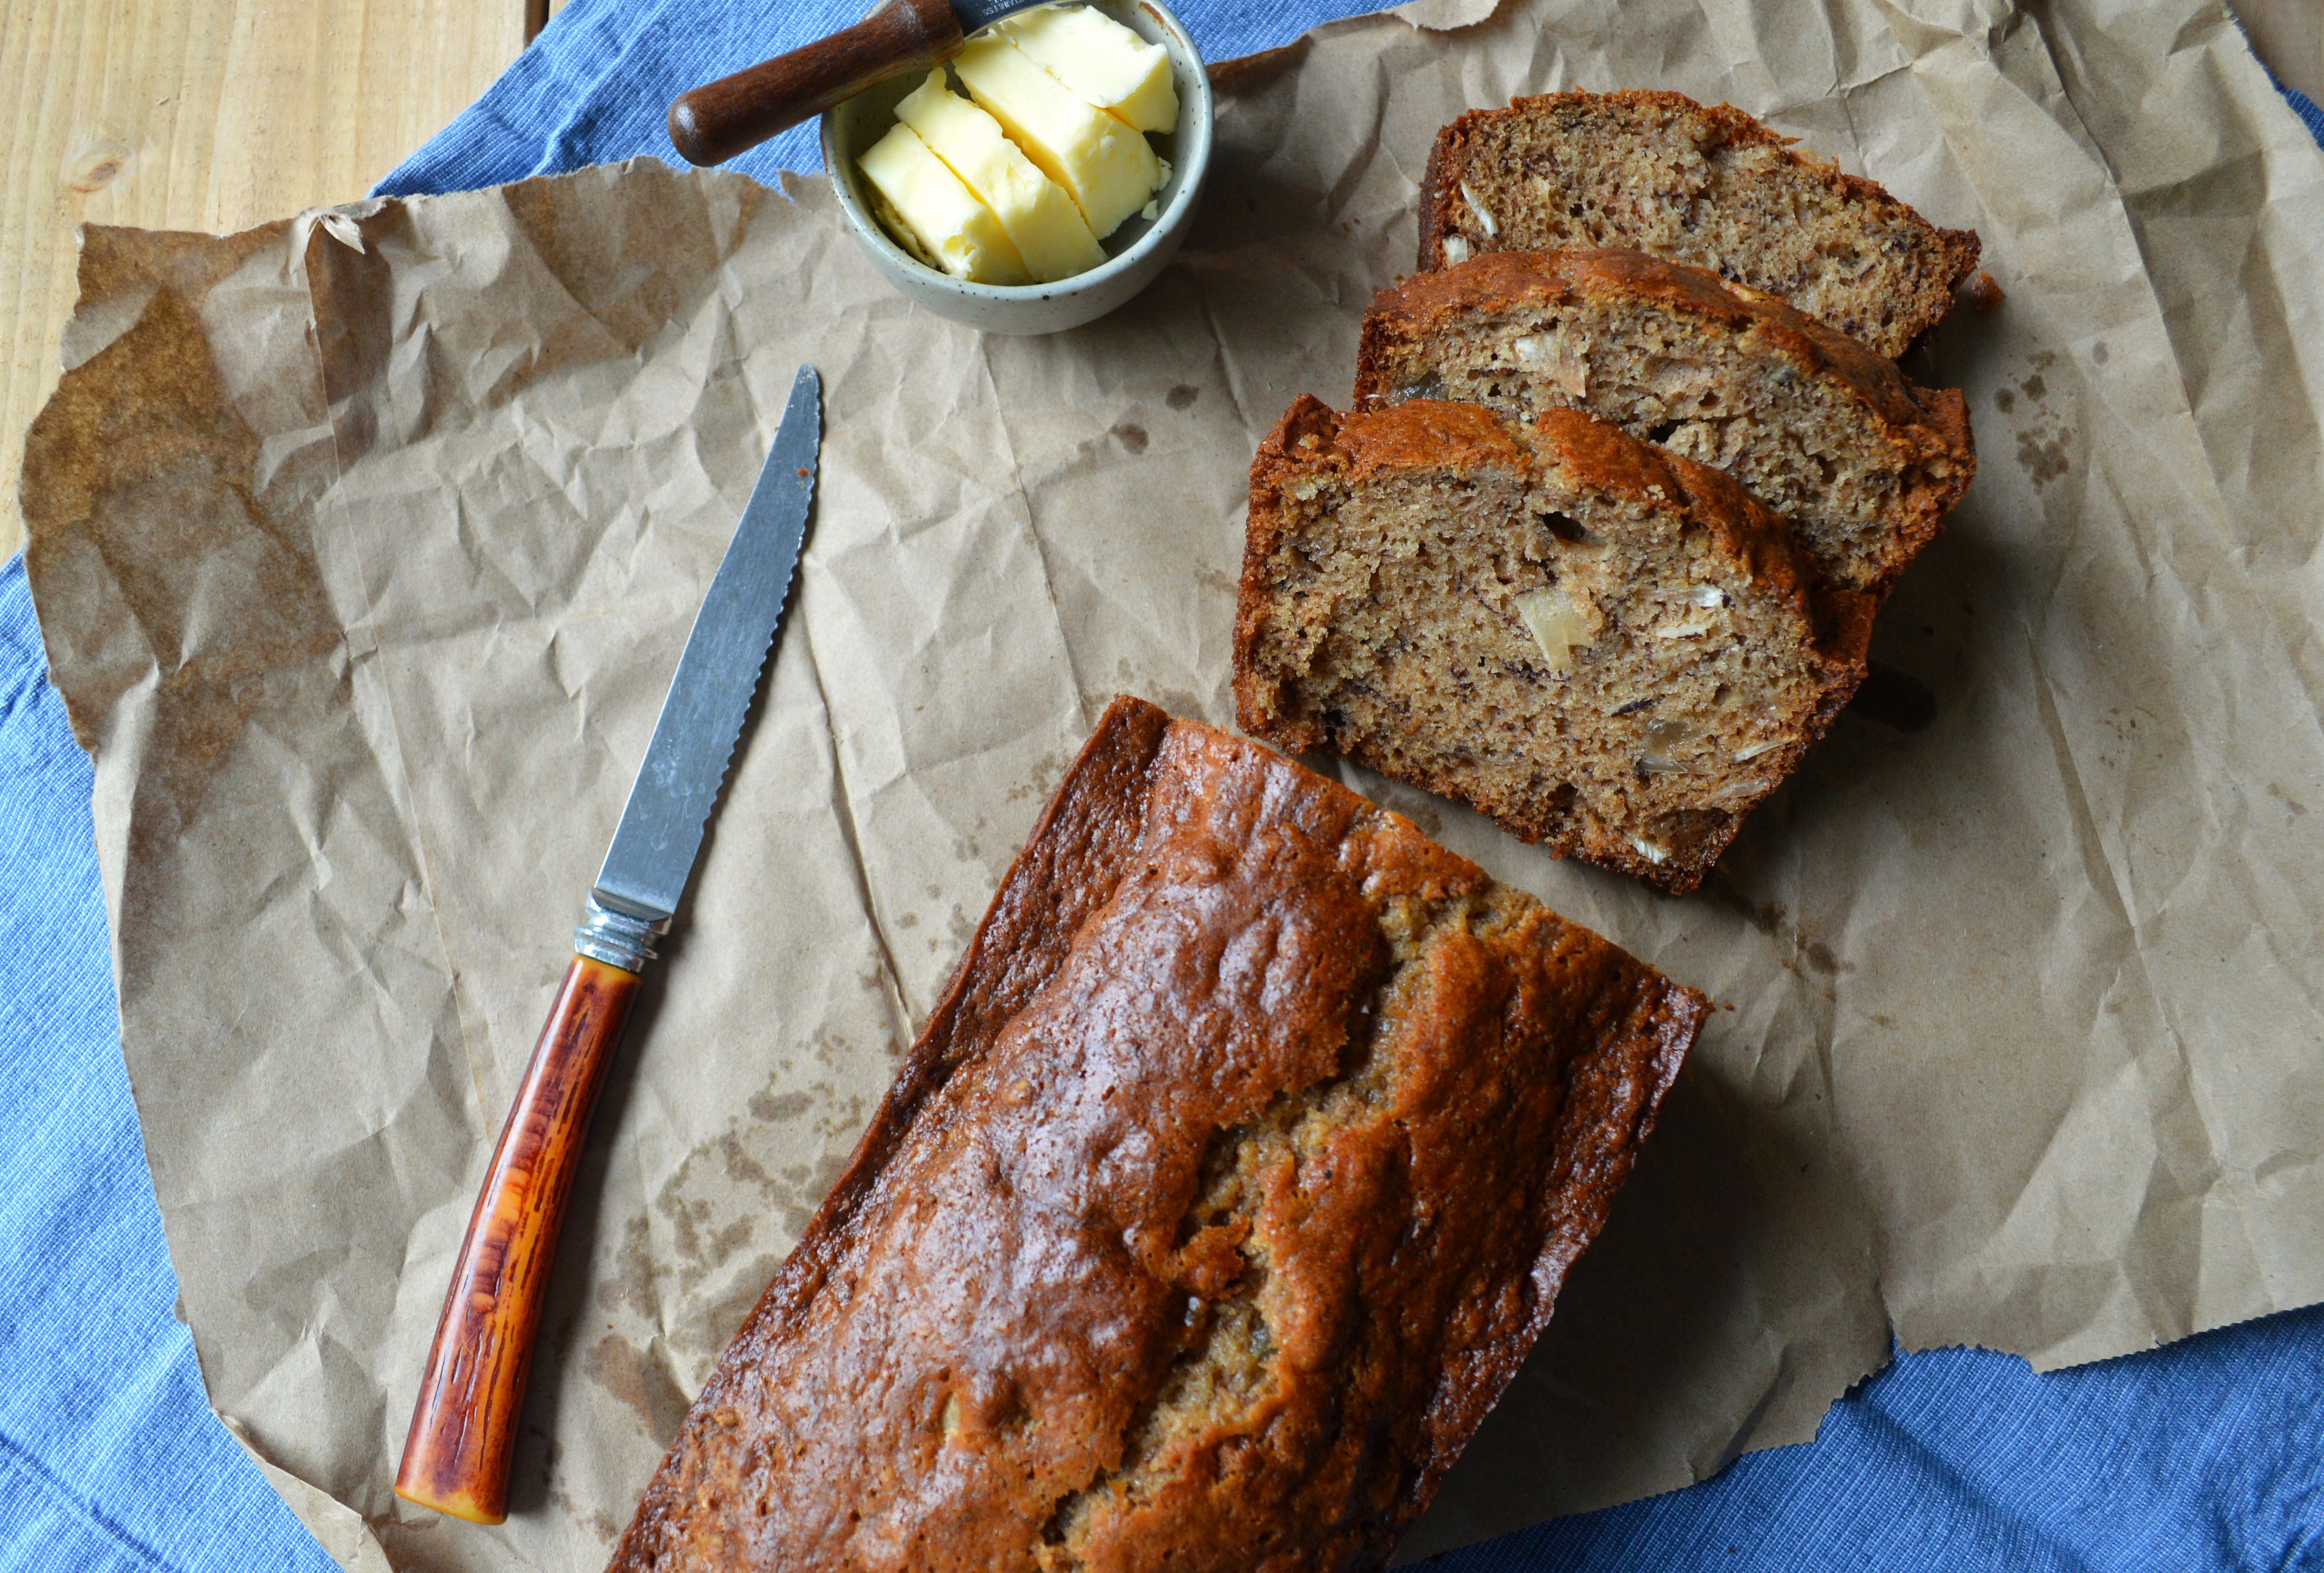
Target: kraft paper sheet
[(365, 544)]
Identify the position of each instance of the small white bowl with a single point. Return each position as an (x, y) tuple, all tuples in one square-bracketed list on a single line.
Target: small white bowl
[(1134, 253)]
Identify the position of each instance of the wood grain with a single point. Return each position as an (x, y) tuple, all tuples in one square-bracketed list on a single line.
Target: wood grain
[(207, 114), (463, 1425)]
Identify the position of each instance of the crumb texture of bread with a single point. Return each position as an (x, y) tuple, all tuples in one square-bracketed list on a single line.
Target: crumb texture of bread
[(1861, 462), (1223, 1193), (1707, 186), (1611, 650)]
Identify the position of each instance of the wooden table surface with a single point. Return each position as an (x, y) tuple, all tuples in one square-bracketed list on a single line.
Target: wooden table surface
[(216, 115), (209, 114)]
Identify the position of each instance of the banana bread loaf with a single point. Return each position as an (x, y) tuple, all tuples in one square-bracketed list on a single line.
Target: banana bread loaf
[(1611, 650), (1862, 463), (1710, 186), (1229, 1183)]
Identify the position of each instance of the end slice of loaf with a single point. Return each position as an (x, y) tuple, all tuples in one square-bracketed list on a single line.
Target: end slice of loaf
[(1710, 186), (1612, 651), (1862, 463)]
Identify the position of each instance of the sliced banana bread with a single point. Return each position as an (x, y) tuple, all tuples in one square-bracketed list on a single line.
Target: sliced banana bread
[(1711, 187), (1225, 1190), (1861, 462), (1611, 650)]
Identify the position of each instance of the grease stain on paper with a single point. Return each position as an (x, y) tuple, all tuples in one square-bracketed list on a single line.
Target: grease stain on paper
[(2045, 443), (714, 1323), (1807, 954), (692, 1284), (632, 1287), (638, 1380), (766, 1105), (2045, 455), (1040, 781)]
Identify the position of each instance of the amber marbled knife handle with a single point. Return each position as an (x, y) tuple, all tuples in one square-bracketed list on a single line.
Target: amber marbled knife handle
[(464, 1426)]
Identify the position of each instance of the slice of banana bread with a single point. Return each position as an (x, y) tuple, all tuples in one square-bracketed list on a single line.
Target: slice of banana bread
[(1711, 187), (1611, 650), (1223, 1193), (1861, 462)]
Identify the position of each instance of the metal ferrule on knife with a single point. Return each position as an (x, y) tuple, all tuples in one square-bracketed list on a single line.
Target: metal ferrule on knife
[(615, 937)]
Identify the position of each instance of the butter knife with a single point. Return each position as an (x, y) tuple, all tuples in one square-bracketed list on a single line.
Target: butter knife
[(464, 1426), (712, 123)]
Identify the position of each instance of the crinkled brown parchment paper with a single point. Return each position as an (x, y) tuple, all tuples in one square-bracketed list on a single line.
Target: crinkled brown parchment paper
[(364, 545)]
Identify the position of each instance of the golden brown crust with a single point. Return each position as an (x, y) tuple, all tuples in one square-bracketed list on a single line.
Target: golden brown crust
[(1429, 1087), (1947, 257), (1461, 436), (1843, 620), (1946, 410), (1591, 454), (1314, 453), (1304, 436), (1921, 434), (1746, 526), (1497, 279), (1599, 456)]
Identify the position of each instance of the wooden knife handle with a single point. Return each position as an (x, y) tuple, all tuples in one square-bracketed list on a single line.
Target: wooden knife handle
[(712, 124), (464, 1428)]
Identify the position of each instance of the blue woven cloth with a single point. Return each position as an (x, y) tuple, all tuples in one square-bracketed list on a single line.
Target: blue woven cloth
[(2206, 1455), (596, 86), (110, 1458), (2310, 114)]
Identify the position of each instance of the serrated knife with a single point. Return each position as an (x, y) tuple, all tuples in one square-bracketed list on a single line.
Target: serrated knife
[(464, 1426)]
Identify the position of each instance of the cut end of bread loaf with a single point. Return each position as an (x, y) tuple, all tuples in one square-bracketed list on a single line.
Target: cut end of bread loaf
[(1707, 186), (1612, 651), (1862, 463)]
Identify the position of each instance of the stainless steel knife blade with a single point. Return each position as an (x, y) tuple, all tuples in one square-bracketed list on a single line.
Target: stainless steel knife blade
[(976, 14), (653, 849)]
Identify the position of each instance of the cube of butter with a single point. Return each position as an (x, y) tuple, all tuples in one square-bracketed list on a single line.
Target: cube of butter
[(1104, 165), (954, 231), (1041, 221), (1102, 61)]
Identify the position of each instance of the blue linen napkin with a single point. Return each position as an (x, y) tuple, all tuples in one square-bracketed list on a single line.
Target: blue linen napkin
[(596, 86), (110, 1458), (2205, 1455)]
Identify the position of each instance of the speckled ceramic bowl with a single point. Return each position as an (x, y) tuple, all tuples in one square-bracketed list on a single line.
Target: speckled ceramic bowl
[(1134, 253)]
